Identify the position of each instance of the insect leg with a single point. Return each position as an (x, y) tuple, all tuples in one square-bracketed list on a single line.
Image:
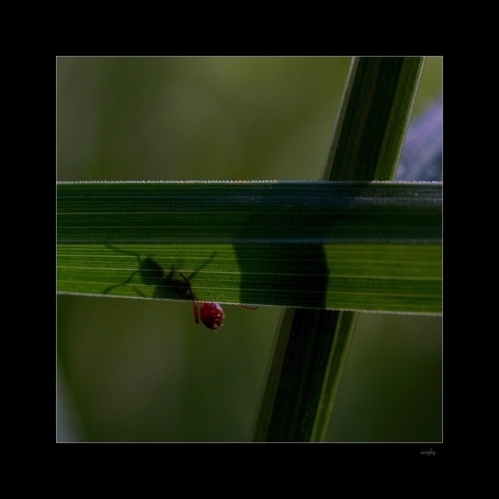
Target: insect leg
[(194, 304)]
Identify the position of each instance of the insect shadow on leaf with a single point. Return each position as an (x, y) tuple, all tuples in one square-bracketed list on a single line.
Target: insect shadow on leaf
[(166, 284)]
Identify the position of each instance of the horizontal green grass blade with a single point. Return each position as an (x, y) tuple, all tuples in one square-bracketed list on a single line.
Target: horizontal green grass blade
[(346, 246)]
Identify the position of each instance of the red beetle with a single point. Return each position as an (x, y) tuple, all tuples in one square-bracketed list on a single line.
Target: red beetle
[(212, 314)]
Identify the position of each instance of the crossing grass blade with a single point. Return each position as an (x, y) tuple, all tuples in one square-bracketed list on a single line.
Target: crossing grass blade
[(311, 347)]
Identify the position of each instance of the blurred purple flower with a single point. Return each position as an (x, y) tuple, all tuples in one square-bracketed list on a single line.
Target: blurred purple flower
[(421, 157)]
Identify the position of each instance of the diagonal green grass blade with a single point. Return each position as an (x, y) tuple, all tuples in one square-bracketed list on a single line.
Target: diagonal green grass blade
[(311, 347)]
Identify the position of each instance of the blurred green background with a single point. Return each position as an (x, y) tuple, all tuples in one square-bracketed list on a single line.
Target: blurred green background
[(138, 370)]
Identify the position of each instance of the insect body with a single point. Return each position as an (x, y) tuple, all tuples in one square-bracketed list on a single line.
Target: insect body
[(212, 314)]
